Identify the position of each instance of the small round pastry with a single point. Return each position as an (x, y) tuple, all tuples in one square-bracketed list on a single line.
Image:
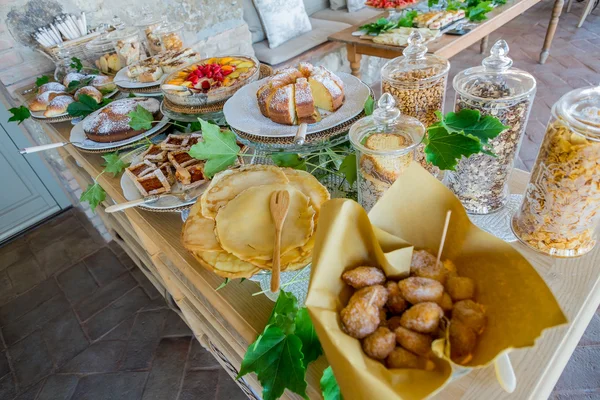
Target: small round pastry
[(41, 101), (51, 87), (73, 76), (90, 91), (104, 83), (58, 106)]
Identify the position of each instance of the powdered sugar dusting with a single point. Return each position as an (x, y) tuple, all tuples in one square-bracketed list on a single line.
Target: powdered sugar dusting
[(52, 87), (113, 118), (61, 101)]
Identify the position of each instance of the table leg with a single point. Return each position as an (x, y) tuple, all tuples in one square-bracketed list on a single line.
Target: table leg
[(354, 59), (484, 44), (556, 11), (588, 9)]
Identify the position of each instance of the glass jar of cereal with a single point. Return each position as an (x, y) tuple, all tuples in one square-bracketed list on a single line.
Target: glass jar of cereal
[(417, 81), (560, 213), (384, 143), (498, 90)]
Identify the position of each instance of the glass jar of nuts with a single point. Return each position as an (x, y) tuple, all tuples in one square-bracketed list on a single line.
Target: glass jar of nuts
[(498, 90), (384, 144), (417, 81), (560, 213)]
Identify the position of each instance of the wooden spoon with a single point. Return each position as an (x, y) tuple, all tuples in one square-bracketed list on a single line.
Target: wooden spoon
[(280, 203)]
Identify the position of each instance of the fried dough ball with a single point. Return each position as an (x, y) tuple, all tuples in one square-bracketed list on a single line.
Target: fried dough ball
[(375, 295), (446, 302), (395, 303), (422, 317), (420, 290), (361, 277), (380, 343), (415, 342), (462, 341), (460, 287), (424, 265), (382, 317), (471, 314), (393, 323), (401, 358), (359, 319)]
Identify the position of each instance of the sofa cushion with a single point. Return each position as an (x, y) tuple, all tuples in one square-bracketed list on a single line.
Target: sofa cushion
[(282, 19), (252, 19), (312, 6), (337, 4), (298, 45), (356, 5), (352, 18)]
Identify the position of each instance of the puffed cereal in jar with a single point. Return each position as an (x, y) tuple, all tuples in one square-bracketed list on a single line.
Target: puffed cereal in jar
[(560, 213)]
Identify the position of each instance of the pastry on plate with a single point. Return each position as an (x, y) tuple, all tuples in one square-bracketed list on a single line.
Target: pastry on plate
[(90, 91), (73, 76), (52, 87), (103, 83), (41, 101), (150, 75), (58, 106), (111, 123)]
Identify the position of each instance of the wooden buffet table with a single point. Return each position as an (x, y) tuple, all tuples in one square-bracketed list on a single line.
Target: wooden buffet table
[(228, 320), (447, 45)]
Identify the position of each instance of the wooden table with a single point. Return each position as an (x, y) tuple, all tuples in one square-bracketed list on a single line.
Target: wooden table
[(226, 321), (448, 45)]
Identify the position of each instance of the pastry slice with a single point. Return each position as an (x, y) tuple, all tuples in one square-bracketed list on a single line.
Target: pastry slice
[(181, 159), (154, 182), (140, 169), (191, 176), (150, 75), (167, 169), (155, 154)]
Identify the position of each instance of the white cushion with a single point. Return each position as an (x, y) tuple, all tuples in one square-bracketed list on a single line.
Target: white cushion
[(355, 5), (312, 6), (354, 18), (337, 4), (282, 19), (298, 45), (253, 21)]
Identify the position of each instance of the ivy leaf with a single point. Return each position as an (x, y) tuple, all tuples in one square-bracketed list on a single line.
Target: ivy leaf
[(114, 164), (218, 148), (329, 386), (305, 330), (131, 96), (369, 105), (471, 123), (94, 195), (41, 80), (407, 19), (291, 160), (276, 358), (222, 285), (83, 107), (477, 13), (74, 85), (284, 313), (76, 64), (444, 149), (348, 168), (141, 119), (19, 114), (105, 102)]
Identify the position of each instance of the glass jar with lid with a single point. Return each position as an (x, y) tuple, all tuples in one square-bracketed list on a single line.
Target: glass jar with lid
[(170, 36), (127, 45), (101, 53), (560, 213), (64, 60), (384, 143), (147, 26), (496, 89), (417, 81)]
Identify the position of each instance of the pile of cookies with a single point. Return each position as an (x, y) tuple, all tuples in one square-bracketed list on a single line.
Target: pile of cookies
[(397, 321)]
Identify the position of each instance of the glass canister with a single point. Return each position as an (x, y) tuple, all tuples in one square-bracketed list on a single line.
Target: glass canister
[(128, 45), (417, 81), (384, 143), (147, 26), (560, 213), (101, 53), (496, 89), (170, 36)]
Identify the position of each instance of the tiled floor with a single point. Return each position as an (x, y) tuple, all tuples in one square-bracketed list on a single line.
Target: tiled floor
[(79, 321)]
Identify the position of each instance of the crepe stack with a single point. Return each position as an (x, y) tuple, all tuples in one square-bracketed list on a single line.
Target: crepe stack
[(230, 230)]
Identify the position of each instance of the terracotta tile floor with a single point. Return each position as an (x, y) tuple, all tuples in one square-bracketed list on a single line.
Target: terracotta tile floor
[(80, 321)]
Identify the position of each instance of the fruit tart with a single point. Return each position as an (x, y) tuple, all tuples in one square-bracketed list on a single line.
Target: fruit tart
[(210, 80)]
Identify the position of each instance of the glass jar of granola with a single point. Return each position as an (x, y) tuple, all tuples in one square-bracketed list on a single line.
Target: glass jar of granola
[(498, 90), (384, 143), (417, 81), (560, 213)]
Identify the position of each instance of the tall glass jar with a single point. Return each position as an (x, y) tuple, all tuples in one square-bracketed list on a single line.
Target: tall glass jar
[(384, 143), (170, 36), (101, 53), (147, 26), (417, 81), (128, 45), (498, 90), (560, 213)]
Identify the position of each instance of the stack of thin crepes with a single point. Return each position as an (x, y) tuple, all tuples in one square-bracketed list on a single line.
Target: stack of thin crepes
[(230, 230)]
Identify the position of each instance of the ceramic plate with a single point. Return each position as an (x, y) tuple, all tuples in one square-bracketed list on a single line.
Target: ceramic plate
[(40, 114), (244, 115), (121, 79)]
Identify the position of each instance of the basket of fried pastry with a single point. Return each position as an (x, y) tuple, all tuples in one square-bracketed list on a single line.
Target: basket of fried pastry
[(393, 322), (230, 230)]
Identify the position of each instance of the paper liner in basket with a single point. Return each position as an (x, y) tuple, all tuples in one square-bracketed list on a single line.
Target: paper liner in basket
[(519, 305)]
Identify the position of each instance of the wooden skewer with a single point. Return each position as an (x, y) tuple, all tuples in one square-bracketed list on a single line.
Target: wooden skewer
[(280, 203), (444, 232)]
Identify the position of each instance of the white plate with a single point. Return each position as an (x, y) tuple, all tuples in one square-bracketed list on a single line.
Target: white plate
[(244, 115), (40, 114), (81, 141), (121, 79)]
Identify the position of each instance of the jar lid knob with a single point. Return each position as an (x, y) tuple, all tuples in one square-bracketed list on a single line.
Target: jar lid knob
[(498, 59), (416, 47), (386, 111)]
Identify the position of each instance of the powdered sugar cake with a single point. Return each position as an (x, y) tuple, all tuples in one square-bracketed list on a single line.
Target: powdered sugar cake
[(111, 123)]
